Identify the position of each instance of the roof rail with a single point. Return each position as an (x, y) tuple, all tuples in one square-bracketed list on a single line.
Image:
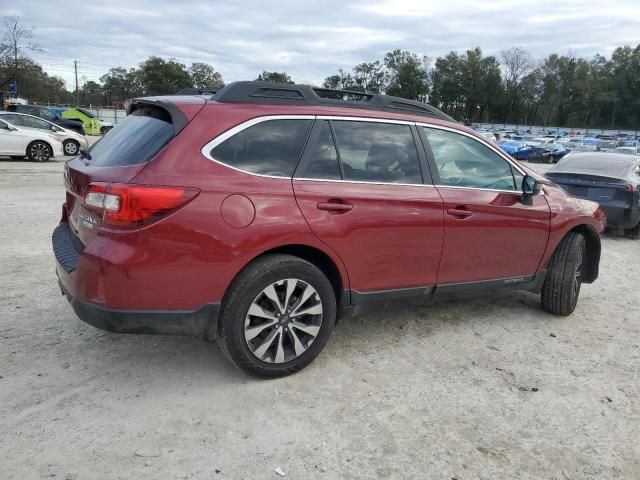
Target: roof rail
[(285, 93)]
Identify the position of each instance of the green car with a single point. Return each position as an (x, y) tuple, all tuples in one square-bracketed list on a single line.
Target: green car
[(91, 123)]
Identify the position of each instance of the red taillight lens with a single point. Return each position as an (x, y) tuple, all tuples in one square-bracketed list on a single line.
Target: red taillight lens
[(125, 205), (632, 188)]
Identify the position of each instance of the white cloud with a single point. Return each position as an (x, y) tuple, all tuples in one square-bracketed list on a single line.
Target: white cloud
[(311, 40)]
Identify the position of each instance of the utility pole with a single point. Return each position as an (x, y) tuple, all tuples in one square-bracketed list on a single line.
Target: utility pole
[(75, 67)]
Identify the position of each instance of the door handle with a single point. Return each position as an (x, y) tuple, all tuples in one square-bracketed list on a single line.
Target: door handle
[(335, 206), (460, 212)]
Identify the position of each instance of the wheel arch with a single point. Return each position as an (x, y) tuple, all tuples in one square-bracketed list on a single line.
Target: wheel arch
[(593, 249), (315, 256)]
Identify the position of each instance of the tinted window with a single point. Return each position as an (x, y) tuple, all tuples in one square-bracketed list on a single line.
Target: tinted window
[(272, 147), (135, 140), (48, 114), (465, 162), (377, 152), (32, 122), (323, 157)]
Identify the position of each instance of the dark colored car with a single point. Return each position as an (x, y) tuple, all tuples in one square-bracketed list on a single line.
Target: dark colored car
[(546, 152), (611, 179), (259, 216), (48, 114)]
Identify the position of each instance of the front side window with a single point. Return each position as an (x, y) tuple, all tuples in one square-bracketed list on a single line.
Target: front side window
[(377, 152), (464, 162), (272, 147)]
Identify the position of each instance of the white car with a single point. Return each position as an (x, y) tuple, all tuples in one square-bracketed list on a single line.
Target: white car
[(34, 144), (72, 141)]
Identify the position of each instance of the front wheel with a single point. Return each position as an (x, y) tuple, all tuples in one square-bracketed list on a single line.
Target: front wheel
[(39, 151), (564, 277), (277, 316), (71, 148)]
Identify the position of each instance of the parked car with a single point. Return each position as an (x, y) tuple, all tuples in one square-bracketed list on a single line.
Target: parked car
[(49, 115), (628, 150), (105, 126), (518, 149), (546, 152), (90, 122), (36, 145), (259, 216), (611, 179), (71, 141)]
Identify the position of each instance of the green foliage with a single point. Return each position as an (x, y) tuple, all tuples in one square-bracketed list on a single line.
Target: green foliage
[(162, 77), (204, 76), (277, 77)]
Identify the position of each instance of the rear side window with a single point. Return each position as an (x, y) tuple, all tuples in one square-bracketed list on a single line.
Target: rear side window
[(323, 157), (272, 147), (377, 152), (135, 140)]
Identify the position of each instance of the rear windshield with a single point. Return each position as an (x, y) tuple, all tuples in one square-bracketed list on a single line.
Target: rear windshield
[(135, 140), (600, 164)]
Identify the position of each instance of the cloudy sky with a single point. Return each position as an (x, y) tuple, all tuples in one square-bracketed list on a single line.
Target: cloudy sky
[(311, 39)]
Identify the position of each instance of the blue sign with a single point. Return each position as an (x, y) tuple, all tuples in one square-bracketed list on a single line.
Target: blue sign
[(13, 87)]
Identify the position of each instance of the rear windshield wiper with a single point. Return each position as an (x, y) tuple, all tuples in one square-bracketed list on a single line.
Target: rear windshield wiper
[(85, 154)]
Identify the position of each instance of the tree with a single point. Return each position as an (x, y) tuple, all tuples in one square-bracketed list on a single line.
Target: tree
[(204, 76), (277, 77), (408, 75), (369, 77), (516, 63), (340, 81), (162, 77), (15, 41)]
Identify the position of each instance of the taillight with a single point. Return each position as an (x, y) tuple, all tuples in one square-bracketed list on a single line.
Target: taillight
[(632, 188), (126, 205)]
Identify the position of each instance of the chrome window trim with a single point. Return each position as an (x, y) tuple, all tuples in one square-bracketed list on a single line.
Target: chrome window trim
[(364, 182), (206, 149), (491, 147)]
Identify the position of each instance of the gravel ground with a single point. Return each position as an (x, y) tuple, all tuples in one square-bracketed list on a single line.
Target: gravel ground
[(486, 389)]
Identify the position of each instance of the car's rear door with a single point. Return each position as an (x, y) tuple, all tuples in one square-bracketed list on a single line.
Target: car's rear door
[(490, 234), (360, 187)]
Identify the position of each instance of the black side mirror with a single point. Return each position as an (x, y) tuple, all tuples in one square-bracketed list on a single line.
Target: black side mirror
[(530, 187)]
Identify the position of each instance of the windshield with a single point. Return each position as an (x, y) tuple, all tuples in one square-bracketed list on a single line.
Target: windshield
[(136, 140)]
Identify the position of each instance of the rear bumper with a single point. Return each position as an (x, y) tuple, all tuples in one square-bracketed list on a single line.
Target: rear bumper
[(201, 323), (74, 276), (621, 217)]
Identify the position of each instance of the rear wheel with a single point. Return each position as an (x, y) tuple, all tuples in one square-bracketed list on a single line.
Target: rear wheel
[(39, 151), (277, 316), (633, 233), (564, 277), (71, 147)]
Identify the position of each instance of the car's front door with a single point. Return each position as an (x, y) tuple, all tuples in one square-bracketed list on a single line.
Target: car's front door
[(360, 187), (12, 142), (490, 234)]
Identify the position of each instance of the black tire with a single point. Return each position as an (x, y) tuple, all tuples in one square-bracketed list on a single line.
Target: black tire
[(561, 287), (39, 151), (633, 233), (70, 148), (104, 130), (242, 293)]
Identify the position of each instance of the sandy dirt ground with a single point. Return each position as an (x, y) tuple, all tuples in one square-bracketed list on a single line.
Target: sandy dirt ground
[(485, 389)]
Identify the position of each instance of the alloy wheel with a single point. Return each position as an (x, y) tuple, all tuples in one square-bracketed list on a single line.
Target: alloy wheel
[(40, 152), (283, 321)]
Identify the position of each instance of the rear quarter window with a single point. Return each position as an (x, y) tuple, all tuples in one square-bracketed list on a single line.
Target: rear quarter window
[(272, 147), (135, 140)]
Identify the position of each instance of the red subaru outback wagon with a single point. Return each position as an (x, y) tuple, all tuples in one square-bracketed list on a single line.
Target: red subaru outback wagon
[(260, 215)]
